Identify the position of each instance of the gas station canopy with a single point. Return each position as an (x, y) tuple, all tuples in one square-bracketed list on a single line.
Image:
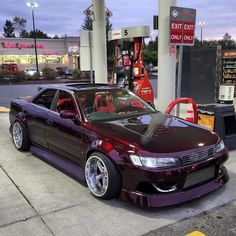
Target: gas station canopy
[(129, 32)]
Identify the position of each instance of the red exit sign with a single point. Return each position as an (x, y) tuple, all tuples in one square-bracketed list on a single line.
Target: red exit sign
[(182, 26)]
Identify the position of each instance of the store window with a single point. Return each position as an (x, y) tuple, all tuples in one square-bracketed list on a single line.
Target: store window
[(30, 59)]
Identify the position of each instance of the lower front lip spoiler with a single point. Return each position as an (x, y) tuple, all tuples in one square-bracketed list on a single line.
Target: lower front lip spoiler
[(177, 197), (171, 189)]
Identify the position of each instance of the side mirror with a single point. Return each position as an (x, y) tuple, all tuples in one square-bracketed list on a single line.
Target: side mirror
[(67, 115)]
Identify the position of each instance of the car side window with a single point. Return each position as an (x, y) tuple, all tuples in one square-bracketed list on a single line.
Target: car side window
[(46, 98), (65, 102)]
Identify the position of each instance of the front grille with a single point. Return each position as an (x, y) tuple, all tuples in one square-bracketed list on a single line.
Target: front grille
[(197, 156), (200, 176)]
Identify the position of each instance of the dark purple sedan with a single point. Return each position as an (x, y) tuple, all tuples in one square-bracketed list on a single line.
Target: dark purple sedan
[(117, 143)]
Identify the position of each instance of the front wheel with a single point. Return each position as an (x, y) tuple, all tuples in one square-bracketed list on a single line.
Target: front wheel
[(102, 177), (20, 137)]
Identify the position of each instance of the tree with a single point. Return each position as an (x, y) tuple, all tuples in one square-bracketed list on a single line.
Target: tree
[(24, 34), (110, 45), (153, 45), (88, 23), (19, 25), (227, 37), (109, 25), (205, 43), (227, 42), (55, 36), (150, 52), (149, 57), (38, 34), (210, 43), (8, 29), (197, 43)]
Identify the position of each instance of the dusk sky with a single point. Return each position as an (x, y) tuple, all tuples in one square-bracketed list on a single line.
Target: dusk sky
[(65, 17)]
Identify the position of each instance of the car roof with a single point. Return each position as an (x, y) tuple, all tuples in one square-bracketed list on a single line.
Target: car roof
[(78, 86)]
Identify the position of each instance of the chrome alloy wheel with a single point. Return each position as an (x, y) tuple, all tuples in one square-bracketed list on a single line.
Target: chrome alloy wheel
[(17, 135), (96, 175)]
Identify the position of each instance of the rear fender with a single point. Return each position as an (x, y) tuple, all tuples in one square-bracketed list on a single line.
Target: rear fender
[(17, 112)]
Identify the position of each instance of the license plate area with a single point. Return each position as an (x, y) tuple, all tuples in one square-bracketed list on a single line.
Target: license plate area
[(200, 176)]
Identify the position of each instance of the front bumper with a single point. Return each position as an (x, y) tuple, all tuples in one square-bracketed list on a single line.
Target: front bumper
[(158, 199), (162, 200)]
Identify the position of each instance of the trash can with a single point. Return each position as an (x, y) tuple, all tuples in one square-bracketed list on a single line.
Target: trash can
[(221, 119)]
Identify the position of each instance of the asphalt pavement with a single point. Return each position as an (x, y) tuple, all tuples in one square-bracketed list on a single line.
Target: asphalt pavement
[(218, 221), (37, 199), (8, 92)]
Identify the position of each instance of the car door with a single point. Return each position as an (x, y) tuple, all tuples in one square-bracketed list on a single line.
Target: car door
[(36, 114), (64, 136)]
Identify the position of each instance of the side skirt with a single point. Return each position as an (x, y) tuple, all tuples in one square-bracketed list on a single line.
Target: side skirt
[(66, 166)]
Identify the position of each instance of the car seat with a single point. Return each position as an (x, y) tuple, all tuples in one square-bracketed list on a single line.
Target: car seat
[(65, 103), (103, 102)]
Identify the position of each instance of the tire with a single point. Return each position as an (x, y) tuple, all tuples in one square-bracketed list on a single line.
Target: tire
[(102, 177), (20, 137)]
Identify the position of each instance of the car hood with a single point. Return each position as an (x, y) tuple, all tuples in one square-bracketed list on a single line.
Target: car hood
[(157, 132)]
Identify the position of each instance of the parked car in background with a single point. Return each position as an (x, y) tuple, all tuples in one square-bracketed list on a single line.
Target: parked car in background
[(117, 143), (64, 70), (11, 67), (153, 69), (30, 71)]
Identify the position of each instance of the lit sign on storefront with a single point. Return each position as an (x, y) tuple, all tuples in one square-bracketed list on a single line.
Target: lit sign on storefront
[(20, 45), (73, 49), (229, 54)]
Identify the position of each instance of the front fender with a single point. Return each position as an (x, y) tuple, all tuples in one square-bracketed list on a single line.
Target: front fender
[(116, 152)]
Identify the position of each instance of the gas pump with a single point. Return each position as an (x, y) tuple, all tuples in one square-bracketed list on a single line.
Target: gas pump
[(129, 70)]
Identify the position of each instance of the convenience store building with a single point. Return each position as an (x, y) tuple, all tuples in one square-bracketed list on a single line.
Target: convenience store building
[(51, 52), (204, 70)]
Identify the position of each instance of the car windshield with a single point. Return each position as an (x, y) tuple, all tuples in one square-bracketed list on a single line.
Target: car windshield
[(109, 104)]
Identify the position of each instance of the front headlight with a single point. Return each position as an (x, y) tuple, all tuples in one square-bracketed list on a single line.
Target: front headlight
[(152, 162), (220, 146)]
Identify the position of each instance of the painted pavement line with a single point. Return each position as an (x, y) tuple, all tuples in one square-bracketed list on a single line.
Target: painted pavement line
[(4, 109), (195, 233)]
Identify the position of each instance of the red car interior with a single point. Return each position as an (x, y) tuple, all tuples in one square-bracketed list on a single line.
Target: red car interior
[(103, 102), (65, 103)]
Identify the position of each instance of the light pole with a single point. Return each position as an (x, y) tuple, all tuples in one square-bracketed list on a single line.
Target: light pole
[(33, 5), (201, 23)]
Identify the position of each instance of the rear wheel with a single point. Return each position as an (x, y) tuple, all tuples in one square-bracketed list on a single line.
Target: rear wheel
[(102, 177), (20, 137)]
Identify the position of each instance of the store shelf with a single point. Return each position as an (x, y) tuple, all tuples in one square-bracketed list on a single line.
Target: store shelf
[(229, 69), (229, 62), (229, 58)]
